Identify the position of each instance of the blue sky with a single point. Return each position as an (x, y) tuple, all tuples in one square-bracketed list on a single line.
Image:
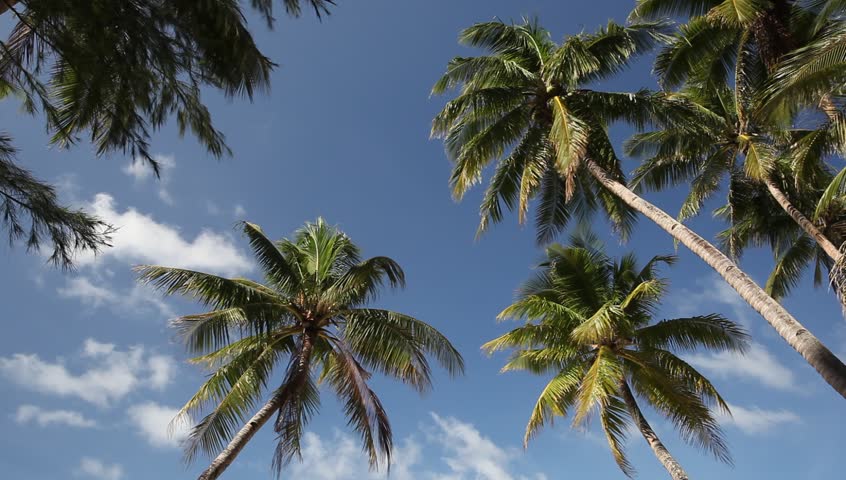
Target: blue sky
[(91, 373)]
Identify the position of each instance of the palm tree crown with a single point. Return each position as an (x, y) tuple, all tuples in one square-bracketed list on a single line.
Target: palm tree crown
[(590, 323), (311, 317), (527, 105)]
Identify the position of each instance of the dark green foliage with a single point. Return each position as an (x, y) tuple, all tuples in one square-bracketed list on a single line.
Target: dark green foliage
[(114, 71), (31, 213), (526, 106), (315, 293), (590, 323)]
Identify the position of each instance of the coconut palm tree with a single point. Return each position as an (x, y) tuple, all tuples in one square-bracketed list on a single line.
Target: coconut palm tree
[(590, 324), (741, 43), (808, 74), (118, 84), (756, 219), (732, 139), (720, 27), (311, 318), (528, 106)]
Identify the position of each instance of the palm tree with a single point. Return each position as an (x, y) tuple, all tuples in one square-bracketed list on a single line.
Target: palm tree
[(769, 24), (590, 323), (732, 139), (742, 42), (527, 105), (812, 72), (756, 219), (311, 316), (118, 84)]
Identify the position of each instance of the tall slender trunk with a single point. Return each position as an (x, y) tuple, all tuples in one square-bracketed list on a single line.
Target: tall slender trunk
[(804, 222), (227, 456), (797, 336), (675, 470), (5, 5)]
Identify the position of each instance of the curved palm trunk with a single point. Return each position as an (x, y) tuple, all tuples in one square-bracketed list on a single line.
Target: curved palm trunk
[(239, 441), (797, 336), (5, 5), (227, 456), (675, 470), (804, 222)]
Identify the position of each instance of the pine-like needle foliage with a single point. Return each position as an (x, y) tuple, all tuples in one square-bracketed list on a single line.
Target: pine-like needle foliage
[(115, 71), (590, 324), (30, 211), (310, 322)]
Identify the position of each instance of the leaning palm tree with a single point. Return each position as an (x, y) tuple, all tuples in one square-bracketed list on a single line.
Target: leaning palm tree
[(811, 74), (528, 106), (719, 27), (722, 60), (311, 317), (733, 140), (589, 322), (756, 219)]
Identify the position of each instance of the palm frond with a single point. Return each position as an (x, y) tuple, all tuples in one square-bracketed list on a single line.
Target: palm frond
[(212, 290), (361, 405), (234, 389), (615, 421), (556, 398), (599, 384), (712, 331)]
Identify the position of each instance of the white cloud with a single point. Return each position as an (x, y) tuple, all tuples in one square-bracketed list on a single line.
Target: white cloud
[(212, 208), (712, 290), (136, 300), (239, 211), (111, 375), (756, 364), (141, 239), (141, 170), (97, 469), (153, 422), (455, 450), (32, 414), (754, 420), (162, 371), (90, 294), (470, 454)]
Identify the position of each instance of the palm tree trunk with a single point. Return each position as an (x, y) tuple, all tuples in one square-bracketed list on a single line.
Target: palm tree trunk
[(227, 456), (239, 441), (806, 224), (5, 5), (675, 470), (797, 336)]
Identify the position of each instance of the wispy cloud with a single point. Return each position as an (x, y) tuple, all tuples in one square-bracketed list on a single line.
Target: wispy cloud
[(452, 450), (239, 211), (110, 376), (98, 470), (153, 422), (141, 171), (712, 292), (138, 299), (142, 239), (756, 421), (756, 364), (27, 414)]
